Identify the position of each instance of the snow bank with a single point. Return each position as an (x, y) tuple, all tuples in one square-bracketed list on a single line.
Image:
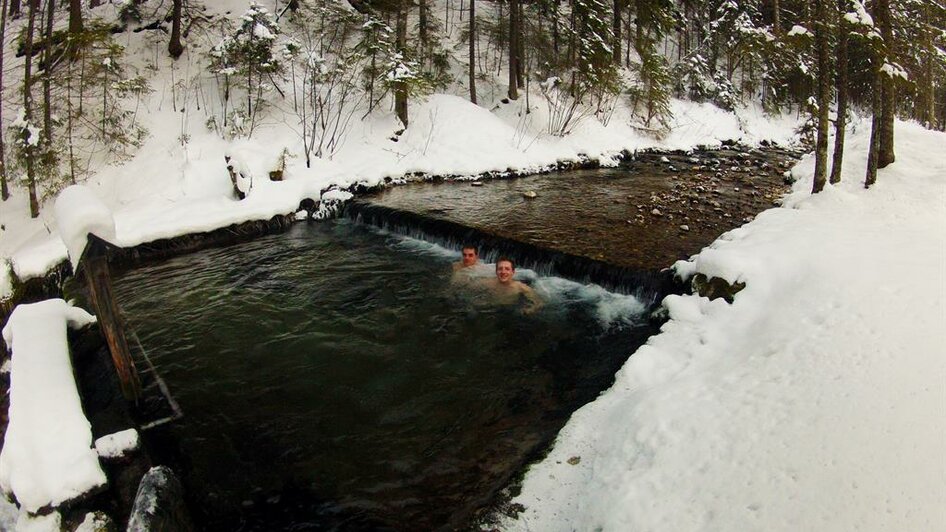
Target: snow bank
[(47, 455), (813, 402), (79, 213)]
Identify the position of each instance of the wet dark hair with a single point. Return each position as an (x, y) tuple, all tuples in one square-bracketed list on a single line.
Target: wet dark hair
[(506, 259), (469, 246)]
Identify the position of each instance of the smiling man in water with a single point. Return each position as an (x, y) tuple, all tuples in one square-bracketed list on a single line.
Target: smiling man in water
[(510, 291)]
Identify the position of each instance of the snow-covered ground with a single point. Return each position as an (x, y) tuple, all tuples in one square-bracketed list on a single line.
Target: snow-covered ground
[(814, 402)]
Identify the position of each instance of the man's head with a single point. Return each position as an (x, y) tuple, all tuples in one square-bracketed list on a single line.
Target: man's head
[(469, 256), (505, 269)]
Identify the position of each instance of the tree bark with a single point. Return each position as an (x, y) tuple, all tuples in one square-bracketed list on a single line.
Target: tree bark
[(874, 150), (824, 96), (473, 51), (520, 48), (400, 87), (616, 28), (28, 110), (841, 81), (886, 154), (776, 19), (4, 189), (75, 18), (422, 26), (175, 47), (927, 104), (47, 75), (513, 91)]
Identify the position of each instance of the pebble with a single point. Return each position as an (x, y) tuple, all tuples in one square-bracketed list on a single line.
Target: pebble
[(656, 212), (685, 227), (529, 194), (476, 184)]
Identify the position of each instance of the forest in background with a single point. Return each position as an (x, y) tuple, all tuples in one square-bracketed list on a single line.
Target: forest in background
[(71, 93)]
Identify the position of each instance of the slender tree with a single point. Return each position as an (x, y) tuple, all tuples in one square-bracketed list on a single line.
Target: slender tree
[(26, 135), (4, 189), (175, 47), (473, 51), (776, 19), (841, 82), (873, 152), (75, 17), (886, 154), (400, 86), (616, 29), (824, 95), (47, 76), (513, 91)]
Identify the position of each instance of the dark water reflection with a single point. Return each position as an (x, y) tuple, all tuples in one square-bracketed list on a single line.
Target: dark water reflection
[(334, 377)]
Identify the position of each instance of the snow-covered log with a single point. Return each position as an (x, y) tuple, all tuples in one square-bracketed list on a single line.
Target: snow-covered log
[(47, 457)]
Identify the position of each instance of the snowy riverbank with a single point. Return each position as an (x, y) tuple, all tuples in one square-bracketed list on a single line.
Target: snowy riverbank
[(814, 402)]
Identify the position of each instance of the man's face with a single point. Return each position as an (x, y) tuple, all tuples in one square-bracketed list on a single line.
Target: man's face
[(504, 271), (469, 257)]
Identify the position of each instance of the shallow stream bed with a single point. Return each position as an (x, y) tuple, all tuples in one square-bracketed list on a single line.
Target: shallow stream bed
[(644, 214), (336, 376)]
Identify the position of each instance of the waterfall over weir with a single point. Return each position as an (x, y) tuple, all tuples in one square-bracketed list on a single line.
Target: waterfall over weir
[(646, 285)]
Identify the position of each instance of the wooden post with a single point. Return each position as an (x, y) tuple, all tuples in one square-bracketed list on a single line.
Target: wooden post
[(97, 275)]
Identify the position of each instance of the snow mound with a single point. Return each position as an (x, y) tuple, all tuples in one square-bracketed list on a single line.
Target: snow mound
[(118, 444), (47, 457), (79, 213)]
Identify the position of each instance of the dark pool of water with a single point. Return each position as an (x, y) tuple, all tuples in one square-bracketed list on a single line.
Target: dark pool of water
[(335, 377)]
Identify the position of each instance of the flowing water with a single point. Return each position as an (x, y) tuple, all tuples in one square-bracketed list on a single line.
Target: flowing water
[(336, 376)]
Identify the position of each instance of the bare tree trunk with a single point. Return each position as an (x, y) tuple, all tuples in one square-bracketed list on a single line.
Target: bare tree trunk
[(927, 105), (400, 87), (513, 91), (75, 17), (422, 25), (28, 111), (824, 96), (874, 150), (175, 47), (520, 48), (840, 125), (555, 37), (886, 154), (47, 74), (616, 28), (473, 51), (4, 189), (776, 19)]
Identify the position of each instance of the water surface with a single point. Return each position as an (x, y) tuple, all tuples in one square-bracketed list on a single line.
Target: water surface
[(335, 377)]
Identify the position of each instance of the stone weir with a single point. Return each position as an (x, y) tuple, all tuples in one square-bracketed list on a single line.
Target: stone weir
[(647, 285)]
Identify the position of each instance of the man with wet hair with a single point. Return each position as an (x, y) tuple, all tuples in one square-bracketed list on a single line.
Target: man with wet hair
[(510, 291), (468, 258)]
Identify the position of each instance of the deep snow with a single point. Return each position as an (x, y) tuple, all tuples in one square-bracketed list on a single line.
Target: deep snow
[(813, 402)]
